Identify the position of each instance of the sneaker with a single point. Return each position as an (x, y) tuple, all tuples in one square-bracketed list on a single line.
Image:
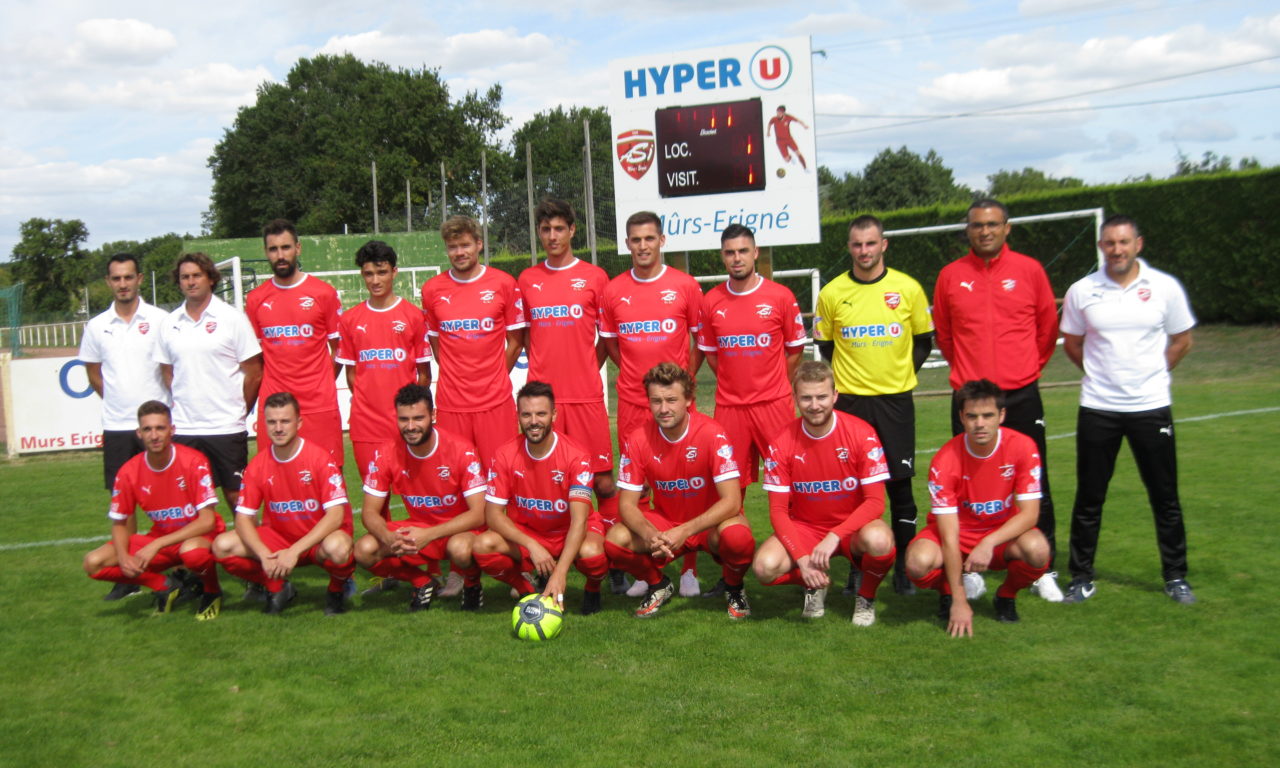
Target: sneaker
[(539, 582), (255, 592), (378, 585), (1047, 587), (278, 601), (864, 611), (452, 585), (661, 593), (902, 583), (335, 603), (348, 589), (168, 597), (944, 607), (192, 588), (423, 595), (689, 586), (590, 603), (855, 582), (210, 606), (472, 598), (618, 583), (1006, 609), (815, 603), (1079, 590), (639, 589), (716, 590), (736, 603), (1179, 591), (974, 585), (121, 591)]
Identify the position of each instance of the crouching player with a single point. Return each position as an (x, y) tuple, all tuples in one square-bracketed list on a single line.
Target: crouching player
[(306, 519), (440, 480), (539, 507), (984, 485), (687, 460), (173, 486), (825, 474)]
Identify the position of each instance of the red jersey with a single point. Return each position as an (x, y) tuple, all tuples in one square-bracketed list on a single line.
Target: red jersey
[(171, 497), (470, 321), (750, 335), (652, 320), (995, 320), (983, 491), (294, 325), (563, 309), (434, 488), (537, 492), (683, 473), (295, 491), (781, 127), (384, 346), (821, 481)]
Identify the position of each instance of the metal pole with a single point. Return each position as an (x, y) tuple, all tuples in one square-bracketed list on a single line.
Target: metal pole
[(374, 166), (589, 191), (408, 206), (444, 201), (528, 179), (484, 203), (153, 287)]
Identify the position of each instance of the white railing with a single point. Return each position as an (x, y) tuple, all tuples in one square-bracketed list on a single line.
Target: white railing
[(44, 334), (815, 283)]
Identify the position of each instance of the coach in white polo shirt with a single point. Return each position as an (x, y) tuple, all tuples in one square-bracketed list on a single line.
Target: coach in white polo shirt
[(210, 355), (1127, 327)]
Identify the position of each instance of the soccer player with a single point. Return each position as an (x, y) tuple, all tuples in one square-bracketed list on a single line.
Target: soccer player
[(1127, 327), (873, 325), (824, 475), (985, 489), (172, 485), (210, 358), (440, 480), (475, 321), (306, 519), (996, 319), (296, 318), (116, 351), (697, 499), (539, 507), (780, 127)]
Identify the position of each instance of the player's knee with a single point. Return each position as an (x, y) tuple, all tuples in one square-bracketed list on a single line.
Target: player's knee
[(768, 565), (93, 562), (605, 487), (619, 535), (1034, 548), (592, 546), (194, 543), (367, 550), (226, 544), (459, 548), (337, 547), (875, 540), (487, 543), (922, 557)]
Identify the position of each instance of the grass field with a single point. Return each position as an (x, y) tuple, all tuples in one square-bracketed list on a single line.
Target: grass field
[(1128, 678)]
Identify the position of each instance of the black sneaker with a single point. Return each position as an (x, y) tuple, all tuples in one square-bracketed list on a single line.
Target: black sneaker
[(1079, 590), (120, 592), (539, 582), (657, 595), (590, 603), (335, 603), (1179, 591), (901, 584), (1006, 609), (254, 592), (855, 582), (716, 590), (618, 582), (168, 597), (423, 595), (210, 606), (472, 598), (278, 601), (736, 604), (192, 587), (944, 607)]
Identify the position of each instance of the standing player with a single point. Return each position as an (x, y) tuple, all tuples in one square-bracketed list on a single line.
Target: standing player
[(172, 484), (985, 489), (539, 507), (475, 320), (688, 461), (824, 475), (1126, 327), (780, 127), (116, 351), (996, 319), (440, 480), (873, 325), (212, 363), (296, 317), (305, 516)]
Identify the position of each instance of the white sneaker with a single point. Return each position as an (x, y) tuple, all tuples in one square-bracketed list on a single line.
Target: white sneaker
[(974, 585), (815, 603), (689, 586), (1047, 587), (864, 611), (452, 585), (638, 589)]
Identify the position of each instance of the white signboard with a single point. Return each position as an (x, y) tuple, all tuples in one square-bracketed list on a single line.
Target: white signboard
[(714, 137)]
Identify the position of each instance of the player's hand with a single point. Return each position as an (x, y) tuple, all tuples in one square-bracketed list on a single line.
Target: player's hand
[(980, 558), (961, 622), (145, 555), (132, 565), (404, 543), (673, 539), (280, 564), (543, 562), (814, 578), (820, 557), (555, 589)]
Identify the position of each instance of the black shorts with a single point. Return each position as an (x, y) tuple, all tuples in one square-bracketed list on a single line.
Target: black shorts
[(118, 446), (227, 454), (894, 419)]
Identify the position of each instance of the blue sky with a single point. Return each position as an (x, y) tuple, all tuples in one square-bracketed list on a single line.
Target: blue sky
[(110, 111)]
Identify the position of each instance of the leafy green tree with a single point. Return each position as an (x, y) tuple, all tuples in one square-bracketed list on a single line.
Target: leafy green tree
[(1004, 183), (50, 260), (1211, 162), (893, 179), (157, 254)]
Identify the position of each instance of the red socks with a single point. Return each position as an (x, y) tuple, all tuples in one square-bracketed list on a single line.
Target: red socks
[(874, 568), (737, 548), (1020, 576)]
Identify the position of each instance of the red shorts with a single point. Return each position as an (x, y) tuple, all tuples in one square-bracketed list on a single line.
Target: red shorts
[(554, 544), (698, 542), (165, 559), (437, 549), (275, 542), (750, 428), (324, 428), (486, 430), (969, 539), (808, 536), (587, 425)]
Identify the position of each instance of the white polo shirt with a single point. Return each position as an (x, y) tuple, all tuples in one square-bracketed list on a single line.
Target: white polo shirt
[(1126, 330), (208, 385), (124, 349)]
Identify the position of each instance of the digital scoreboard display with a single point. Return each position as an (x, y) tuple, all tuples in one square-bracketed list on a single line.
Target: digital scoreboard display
[(710, 148)]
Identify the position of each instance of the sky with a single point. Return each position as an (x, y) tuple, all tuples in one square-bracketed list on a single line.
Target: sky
[(109, 111)]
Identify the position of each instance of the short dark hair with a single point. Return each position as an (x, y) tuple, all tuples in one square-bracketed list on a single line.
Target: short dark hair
[(202, 261), (412, 394), (457, 226), (120, 258), (737, 230), (536, 389), (667, 373), (280, 400), (278, 227), (376, 252), (643, 217), (553, 208), (1120, 220), (154, 408), (988, 202), (866, 221), (979, 389)]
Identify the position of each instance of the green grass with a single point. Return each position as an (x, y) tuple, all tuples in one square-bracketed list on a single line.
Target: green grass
[(1128, 678)]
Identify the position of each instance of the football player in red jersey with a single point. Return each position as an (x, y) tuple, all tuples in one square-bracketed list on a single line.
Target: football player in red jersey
[(984, 486)]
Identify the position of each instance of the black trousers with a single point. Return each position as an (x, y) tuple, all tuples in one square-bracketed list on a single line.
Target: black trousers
[(893, 417), (1024, 411), (1150, 435)]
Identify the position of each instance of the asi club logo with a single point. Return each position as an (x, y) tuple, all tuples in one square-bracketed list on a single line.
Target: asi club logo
[(892, 299), (636, 150), (1144, 294)]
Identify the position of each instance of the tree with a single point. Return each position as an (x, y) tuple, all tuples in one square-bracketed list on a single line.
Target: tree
[(157, 256), (1004, 183), (1212, 163), (893, 180), (50, 260), (303, 150)]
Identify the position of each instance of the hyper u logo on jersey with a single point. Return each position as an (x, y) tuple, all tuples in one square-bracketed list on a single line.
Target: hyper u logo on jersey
[(825, 486), (381, 355), (994, 507), (744, 341), (879, 330), (681, 484), (172, 513), (467, 324), (636, 327), (303, 331), (556, 311)]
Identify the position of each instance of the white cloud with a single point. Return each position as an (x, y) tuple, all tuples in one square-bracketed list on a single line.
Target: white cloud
[(484, 49), (834, 24), (214, 88), (1207, 129), (120, 41), (1118, 144)]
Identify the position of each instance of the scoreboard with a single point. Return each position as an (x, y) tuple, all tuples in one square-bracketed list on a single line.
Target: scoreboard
[(710, 149)]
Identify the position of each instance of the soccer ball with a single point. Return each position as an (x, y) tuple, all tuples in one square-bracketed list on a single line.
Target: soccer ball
[(782, 172), (536, 618)]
